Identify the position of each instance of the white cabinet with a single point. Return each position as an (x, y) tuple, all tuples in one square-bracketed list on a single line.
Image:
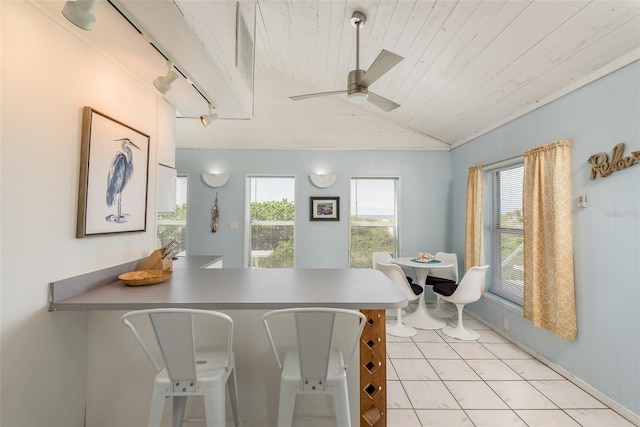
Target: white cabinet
[(166, 133)]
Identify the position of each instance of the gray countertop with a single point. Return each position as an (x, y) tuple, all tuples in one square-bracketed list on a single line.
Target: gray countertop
[(196, 261), (191, 286)]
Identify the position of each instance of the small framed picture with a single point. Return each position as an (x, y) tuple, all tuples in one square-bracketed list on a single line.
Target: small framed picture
[(325, 208)]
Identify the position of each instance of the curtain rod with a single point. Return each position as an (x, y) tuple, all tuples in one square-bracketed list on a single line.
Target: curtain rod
[(502, 161)]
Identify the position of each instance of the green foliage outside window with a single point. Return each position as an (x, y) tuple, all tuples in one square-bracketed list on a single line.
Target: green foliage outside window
[(368, 239), (283, 210), (511, 246), (173, 225), (282, 256), (275, 238)]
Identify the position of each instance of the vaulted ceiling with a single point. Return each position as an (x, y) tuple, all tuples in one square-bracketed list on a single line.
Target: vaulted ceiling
[(469, 66)]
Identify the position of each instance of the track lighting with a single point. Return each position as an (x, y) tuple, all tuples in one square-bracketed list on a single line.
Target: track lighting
[(163, 83), (206, 119), (80, 13)]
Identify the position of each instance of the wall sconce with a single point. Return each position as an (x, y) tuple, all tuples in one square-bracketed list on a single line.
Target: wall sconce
[(80, 13), (322, 180), (163, 83), (206, 119), (215, 179)]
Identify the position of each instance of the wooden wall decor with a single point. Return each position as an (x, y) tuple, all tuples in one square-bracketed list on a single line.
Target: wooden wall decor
[(600, 163)]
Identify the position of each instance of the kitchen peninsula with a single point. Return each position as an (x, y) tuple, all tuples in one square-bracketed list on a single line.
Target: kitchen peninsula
[(245, 294)]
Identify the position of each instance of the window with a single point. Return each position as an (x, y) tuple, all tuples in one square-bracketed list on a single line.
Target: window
[(173, 225), (271, 215), (507, 237), (373, 219)]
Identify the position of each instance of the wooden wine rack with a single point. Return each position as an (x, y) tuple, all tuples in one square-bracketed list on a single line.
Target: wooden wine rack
[(373, 370)]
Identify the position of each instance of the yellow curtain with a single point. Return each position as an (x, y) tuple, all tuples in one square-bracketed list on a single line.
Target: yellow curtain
[(473, 230), (549, 297)]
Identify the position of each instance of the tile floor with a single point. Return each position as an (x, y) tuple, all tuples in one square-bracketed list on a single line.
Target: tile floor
[(434, 380)]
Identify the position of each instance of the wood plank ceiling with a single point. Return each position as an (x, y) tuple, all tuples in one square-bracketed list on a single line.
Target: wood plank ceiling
[(469, 66)]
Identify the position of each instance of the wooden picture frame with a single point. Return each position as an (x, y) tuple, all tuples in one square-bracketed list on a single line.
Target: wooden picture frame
[(114, 170), (325, 208)]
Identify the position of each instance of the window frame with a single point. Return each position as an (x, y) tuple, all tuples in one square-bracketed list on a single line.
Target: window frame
[(396, 213)]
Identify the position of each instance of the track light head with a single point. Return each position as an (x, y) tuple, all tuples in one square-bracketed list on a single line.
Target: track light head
[(163, 83), (207, 119), (80, 13)]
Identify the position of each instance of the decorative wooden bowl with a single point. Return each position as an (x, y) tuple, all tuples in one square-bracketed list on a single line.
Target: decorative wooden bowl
[(145, 277)]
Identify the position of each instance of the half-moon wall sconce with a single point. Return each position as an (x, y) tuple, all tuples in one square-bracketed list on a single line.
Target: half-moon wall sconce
[(322, 180), (215, 179)]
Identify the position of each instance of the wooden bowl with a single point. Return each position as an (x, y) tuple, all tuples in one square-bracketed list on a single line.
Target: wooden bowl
[(145, 277)]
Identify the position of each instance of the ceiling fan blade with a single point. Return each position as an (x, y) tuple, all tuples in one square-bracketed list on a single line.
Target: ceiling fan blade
[(384, 62), (382, 103), (315, 95)]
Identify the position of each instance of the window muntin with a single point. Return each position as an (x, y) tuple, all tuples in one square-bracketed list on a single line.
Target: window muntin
[(373, 219), (271, 221), (507, 234), (173, 225)]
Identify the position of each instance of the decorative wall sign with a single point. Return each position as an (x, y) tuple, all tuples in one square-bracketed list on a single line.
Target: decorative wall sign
[(114, 165), (600, 163), (325, 208)]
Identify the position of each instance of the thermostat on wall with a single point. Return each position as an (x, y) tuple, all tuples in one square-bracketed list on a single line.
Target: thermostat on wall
[(582, 200)]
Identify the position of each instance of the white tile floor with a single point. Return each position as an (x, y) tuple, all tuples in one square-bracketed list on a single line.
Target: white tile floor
[(434, 380)]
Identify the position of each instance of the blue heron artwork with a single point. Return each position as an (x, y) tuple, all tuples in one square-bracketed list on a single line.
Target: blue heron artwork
[(114, 171), (120, 173)]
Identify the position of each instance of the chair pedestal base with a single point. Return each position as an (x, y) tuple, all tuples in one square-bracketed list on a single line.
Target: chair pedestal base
[(422, 318), (399, 329), (440, 311), (460, 333)]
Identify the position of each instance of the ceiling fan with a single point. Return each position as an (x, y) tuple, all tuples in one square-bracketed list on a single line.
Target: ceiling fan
[(358, 81)]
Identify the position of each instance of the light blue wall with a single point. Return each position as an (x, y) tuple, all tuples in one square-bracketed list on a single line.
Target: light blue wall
[(606, 234), (425, 189)]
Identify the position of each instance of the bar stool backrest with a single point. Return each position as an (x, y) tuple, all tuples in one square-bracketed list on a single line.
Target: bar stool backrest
[(314, 331), (174, 333)]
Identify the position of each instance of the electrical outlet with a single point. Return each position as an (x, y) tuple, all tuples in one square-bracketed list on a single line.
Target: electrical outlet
[(233, 225), (505, 324)]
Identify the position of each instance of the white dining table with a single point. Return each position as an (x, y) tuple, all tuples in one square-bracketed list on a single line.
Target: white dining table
[(422, 318)]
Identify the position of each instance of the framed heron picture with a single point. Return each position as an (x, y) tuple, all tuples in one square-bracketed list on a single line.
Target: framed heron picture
[(114, 168)]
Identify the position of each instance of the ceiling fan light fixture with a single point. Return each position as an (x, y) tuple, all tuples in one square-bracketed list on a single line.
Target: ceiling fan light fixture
[(358, 97), (358, 81)]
